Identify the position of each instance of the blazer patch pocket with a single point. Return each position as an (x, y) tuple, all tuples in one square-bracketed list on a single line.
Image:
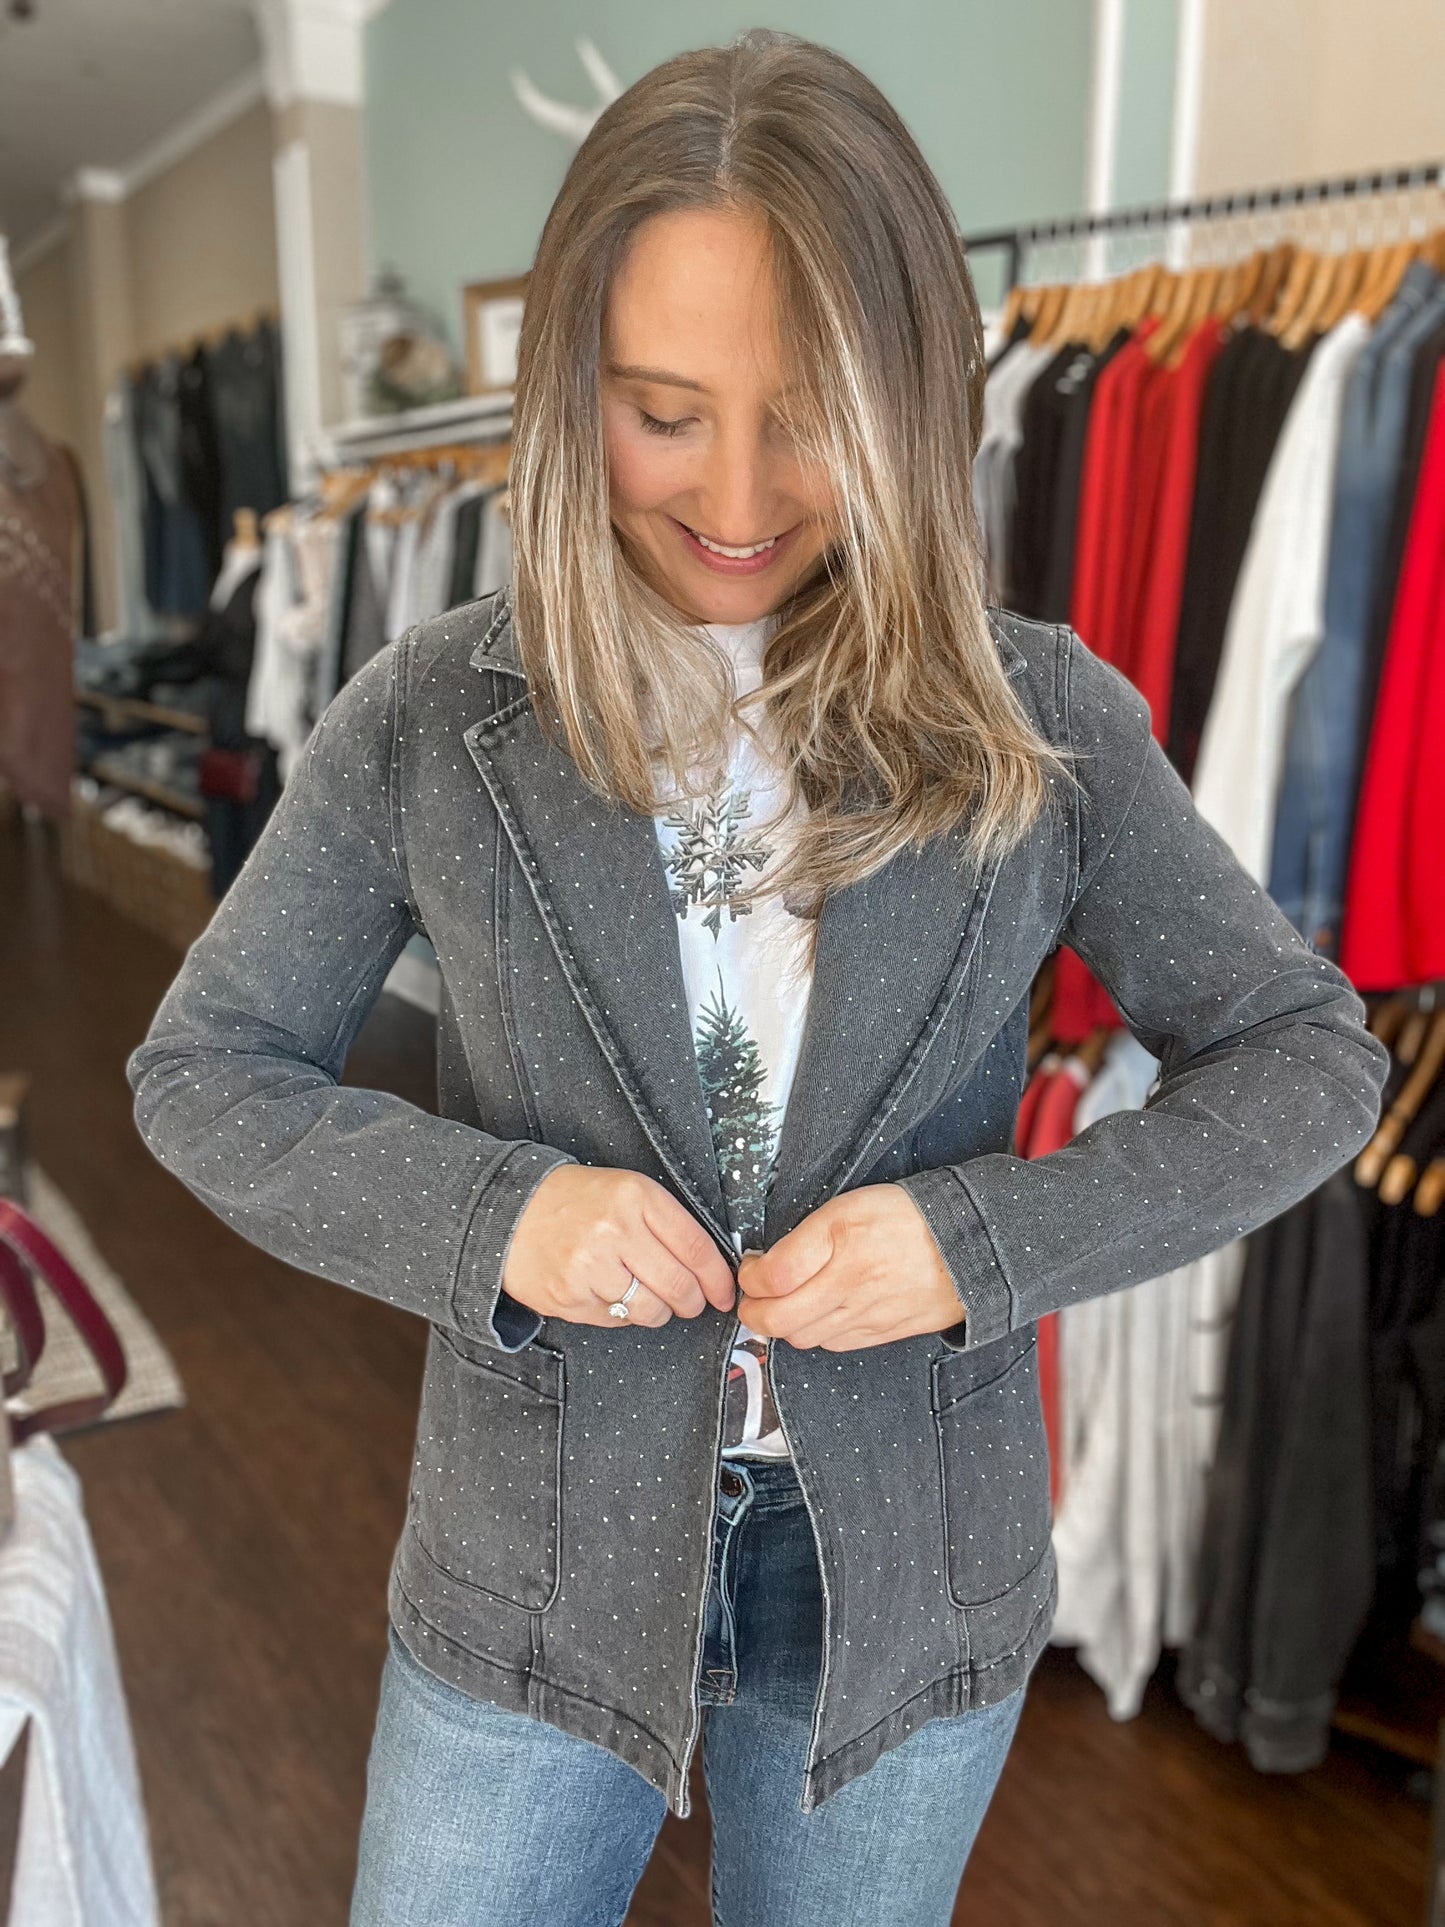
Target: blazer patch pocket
[(487, 1478), (993, 1466)]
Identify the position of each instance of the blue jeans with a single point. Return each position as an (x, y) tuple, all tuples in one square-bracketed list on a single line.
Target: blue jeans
[(1320, 778), (478, 1815)]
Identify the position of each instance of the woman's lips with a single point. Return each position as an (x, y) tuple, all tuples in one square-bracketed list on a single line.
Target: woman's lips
[(735, 564)]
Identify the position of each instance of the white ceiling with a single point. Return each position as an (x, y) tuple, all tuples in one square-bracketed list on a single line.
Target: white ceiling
[(92, 83)]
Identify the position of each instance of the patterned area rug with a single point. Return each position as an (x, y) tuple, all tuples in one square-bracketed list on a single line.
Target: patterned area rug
[(65, 1370)]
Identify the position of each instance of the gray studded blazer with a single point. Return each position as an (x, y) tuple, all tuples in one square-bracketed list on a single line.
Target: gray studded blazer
[(558, 1539)]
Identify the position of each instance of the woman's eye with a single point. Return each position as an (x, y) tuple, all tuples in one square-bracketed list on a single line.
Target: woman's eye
[(656, 427)]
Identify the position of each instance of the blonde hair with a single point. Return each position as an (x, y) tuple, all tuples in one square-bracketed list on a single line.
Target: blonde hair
[(885, 694)]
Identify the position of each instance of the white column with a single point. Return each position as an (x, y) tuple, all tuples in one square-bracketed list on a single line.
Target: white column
[(1184, 147), (313, 64), (1103, 134)]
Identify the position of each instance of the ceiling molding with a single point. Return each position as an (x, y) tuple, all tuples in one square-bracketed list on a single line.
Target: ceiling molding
[(312, 48), (52, 236), (195, 130), (119, 183), (94, 184)]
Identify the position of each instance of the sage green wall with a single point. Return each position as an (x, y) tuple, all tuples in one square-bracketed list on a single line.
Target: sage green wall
[(1146, 102), (460, 178)]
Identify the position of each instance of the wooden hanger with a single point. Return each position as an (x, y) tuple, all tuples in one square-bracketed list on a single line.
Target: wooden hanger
[(1041, 999), (1385, 271), (1121, 303), (1051, 301), (1430, 1191), (1049, 329), (1143, 298), (1175, 318), (1229, 295), (1241, 288), (1278, 262), (1402, 1175), (1387, 1018), (211, 337), (1204, 299), (1091, 1052), (1163, 294), (1312, 305), (1013, 307), (1349, 279), (1127, 300), (1412, 1035), (1290, 292), (343, 489), (1371, 1162)]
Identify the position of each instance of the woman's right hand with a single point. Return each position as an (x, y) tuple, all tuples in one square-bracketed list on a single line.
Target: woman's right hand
[(588, 1229)]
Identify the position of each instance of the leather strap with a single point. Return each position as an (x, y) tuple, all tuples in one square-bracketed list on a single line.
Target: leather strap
[(26, 1317), (22, 1244)]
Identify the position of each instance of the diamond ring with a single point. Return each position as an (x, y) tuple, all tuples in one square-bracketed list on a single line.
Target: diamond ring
[(618, 1307)]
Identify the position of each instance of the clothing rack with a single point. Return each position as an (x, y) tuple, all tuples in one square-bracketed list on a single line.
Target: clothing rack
[(1211, 207), (210, 337), (340, 488)]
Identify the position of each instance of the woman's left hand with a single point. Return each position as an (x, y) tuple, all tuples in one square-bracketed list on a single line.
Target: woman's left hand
[(863, 1269)]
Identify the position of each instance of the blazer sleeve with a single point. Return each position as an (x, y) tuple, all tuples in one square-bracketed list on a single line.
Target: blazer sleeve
[(1269, 1078), (237, 1081)]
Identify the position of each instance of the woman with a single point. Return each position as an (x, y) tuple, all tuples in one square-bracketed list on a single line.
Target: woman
[(740, 805)]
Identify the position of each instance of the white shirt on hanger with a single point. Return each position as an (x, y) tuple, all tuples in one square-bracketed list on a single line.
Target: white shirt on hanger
[(1277, 617)]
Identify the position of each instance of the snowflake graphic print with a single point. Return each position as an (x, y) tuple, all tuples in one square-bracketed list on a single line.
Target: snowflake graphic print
[(747, 997)]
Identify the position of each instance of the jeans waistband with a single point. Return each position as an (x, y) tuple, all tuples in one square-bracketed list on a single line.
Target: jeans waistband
[(768, 1485)]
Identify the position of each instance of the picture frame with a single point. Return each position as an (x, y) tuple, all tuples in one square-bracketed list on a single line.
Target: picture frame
[(492, 320)]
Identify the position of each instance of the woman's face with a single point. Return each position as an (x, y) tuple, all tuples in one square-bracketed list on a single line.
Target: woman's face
[(698, 459)]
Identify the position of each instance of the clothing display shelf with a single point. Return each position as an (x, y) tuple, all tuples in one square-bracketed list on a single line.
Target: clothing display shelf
[(134, 720), (118, 712), (1212, 207), (164, 795), (420, 431)]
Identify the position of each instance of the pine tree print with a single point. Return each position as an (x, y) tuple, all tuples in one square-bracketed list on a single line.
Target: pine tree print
[(707, 858), (711, 855), (732, 1073)]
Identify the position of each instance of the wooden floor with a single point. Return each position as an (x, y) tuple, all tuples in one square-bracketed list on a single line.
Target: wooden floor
[(245, 1543)]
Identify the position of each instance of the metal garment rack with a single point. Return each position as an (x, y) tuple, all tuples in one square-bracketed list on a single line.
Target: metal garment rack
[(1211, 207), (1163, 214)]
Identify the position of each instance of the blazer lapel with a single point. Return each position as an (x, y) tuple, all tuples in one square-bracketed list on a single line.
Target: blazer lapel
[(894, 953), (596, 873)]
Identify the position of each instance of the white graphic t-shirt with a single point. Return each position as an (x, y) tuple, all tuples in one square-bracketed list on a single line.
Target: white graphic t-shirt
[(747, 993)]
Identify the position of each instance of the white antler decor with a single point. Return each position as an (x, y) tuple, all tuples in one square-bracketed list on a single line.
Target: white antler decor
[(13, 340), (573, 123)]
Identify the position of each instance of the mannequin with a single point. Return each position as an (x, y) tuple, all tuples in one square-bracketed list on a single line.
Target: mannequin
[(241, 555), (39, 521)]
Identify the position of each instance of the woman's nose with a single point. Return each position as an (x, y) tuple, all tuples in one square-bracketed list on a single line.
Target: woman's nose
[(737, 492)]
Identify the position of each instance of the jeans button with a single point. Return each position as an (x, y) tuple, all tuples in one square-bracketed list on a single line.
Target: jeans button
[(730, 1481)]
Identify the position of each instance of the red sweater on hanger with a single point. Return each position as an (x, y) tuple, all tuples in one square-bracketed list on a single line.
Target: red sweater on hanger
[(1136, 506), (1393, 931), (1424, 859), (1079, 1001), (1159, 520), (1051, 1127), (1107, 495)]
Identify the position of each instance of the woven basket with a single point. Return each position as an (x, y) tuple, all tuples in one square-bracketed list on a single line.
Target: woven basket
[(152, 886)]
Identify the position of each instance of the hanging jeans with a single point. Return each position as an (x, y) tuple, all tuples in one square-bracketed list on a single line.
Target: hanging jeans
[(1320, 778), (480, 1815)]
